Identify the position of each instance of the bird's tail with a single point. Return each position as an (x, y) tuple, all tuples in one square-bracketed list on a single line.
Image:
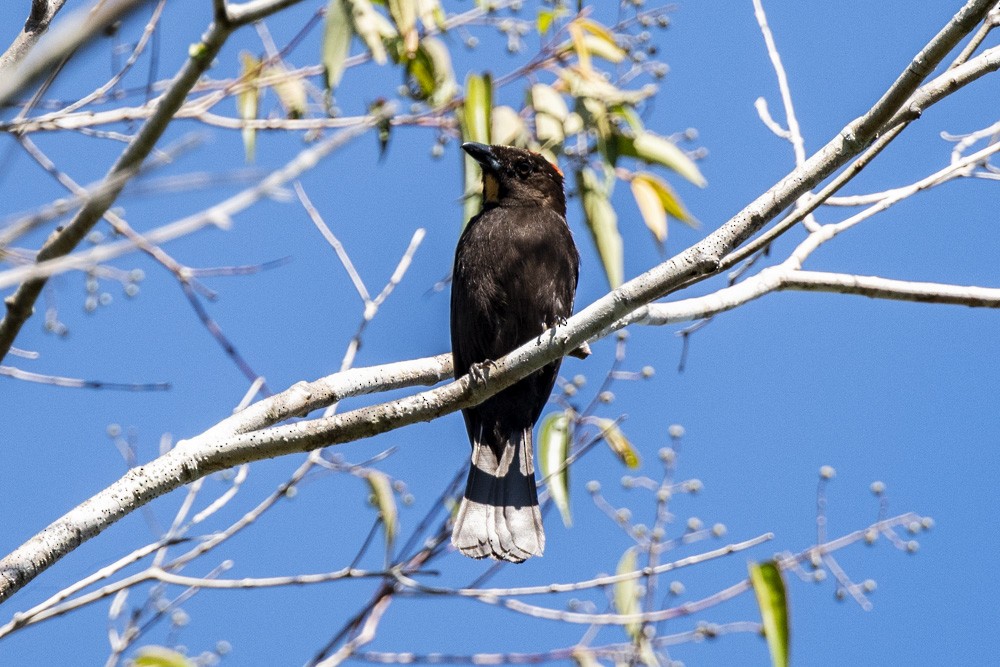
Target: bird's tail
[(499, 515)]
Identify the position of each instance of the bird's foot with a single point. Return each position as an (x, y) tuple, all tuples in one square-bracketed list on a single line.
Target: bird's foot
[(479, 372)]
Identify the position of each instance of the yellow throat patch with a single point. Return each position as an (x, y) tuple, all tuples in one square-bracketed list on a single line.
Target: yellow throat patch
[(491, 188)]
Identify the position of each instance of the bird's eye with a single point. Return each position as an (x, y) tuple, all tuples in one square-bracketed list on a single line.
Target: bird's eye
[(523, 168)]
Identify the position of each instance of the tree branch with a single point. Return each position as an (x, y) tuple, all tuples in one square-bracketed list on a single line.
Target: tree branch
[(193, 459), (42, 13), (20, 305)]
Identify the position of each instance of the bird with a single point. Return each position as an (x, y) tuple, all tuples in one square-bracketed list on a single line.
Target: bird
[(515, 276)]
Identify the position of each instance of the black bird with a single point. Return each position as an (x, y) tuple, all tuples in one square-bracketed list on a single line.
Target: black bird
[(515, 276)]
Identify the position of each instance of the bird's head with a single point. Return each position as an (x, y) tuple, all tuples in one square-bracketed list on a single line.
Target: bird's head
[(518, 177)]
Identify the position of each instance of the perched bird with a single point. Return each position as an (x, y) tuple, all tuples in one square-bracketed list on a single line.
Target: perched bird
[(515, 276)]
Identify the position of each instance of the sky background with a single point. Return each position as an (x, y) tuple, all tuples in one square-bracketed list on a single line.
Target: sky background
[(899, 392)]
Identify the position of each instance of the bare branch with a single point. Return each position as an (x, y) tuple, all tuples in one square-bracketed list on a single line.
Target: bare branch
[(75, 30), (195, 458), (42, 13)]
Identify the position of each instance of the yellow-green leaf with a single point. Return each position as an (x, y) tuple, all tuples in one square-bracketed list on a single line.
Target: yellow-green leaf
[(668, 198), (627, 592), (550, 114), (291, 90), (628, 113), (618, 443), (247, 100), (581, 83), (373, 28), (336, 41), (385, 501), (478, 107), (160, 656), (646, 653), (445, 86), (507, 127), (544, 21), (587, 38), (769, 587), (431, 14), (603, 224), (576, 37), (651, 209), (584, 657), (554, 439), (476, 120), (654, 149), (404, 15)]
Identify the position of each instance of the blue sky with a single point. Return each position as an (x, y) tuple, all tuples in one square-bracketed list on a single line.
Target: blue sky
[(898, 392)]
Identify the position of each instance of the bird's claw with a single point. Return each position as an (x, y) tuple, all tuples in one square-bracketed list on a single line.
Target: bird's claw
[(479, 372)]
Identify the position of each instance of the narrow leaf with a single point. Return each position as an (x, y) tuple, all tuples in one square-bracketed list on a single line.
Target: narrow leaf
[(627, 592), (584, 657), (618, 443), (477, 108), (651, 208), (291, 90), (668, 198), (550, 114), (769, 587), (603, 224), (507, 127), (373, 28), (336, 41), (431, 14), (576, 36), (404, 15), (443, 85), (247, 100), (476, 120), (544, 21), (581, 83), (554, 439), (385, 501), (654, 149), (160, 656), (593, 38)]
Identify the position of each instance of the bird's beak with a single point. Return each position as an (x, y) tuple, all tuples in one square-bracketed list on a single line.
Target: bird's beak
[(482, 154)]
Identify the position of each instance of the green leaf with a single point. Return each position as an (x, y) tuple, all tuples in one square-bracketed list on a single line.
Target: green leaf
[(554, 439), (160, 656), (373, 28), (654, 149), (603, 224), (247, 100), (431, 14), (291, 90), (580, 83), (385, 501), (404, 15), (769, 587), (477, 108), (628, 113), (668, 198), (550, 114), (646, 653), (651, 209), (627, 592), (617, 441), (590, 38), (584, 657), (656, 199), (476, 121), (507, 127), (544, 21), (336, 42), (430, 72)]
